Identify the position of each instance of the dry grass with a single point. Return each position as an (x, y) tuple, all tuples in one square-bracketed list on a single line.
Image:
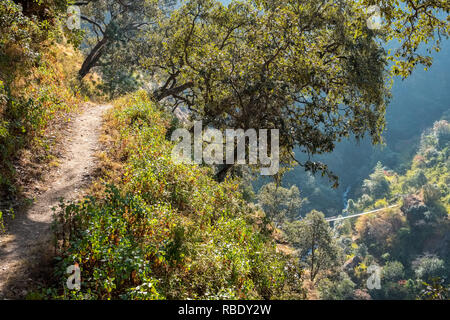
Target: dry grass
[(110, 161)]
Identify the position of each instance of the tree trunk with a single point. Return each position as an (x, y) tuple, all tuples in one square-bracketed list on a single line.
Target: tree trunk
[(92, 58), (221, 175), (162, 93)]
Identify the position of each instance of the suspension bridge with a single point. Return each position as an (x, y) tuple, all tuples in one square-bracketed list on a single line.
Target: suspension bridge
[(333, 219)]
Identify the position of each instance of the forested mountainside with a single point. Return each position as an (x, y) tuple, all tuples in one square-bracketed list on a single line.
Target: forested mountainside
[(110, 205), (407, 236), (412, 241)]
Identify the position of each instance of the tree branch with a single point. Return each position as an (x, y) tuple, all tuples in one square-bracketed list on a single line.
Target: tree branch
[(94, 23)]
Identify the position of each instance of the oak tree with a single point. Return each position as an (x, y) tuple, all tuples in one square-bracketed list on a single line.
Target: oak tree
[(313, 69)]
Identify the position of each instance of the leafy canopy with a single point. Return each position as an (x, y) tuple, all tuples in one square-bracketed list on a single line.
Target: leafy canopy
[(312, 69)]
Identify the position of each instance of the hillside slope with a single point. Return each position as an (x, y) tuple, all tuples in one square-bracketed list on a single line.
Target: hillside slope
[(161, 230)]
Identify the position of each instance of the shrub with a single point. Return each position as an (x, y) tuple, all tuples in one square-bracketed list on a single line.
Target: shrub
[(393, 271), (428, 267), (340, 289)]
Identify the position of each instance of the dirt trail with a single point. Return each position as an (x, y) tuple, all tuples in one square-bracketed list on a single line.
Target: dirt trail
[(25, 247)]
